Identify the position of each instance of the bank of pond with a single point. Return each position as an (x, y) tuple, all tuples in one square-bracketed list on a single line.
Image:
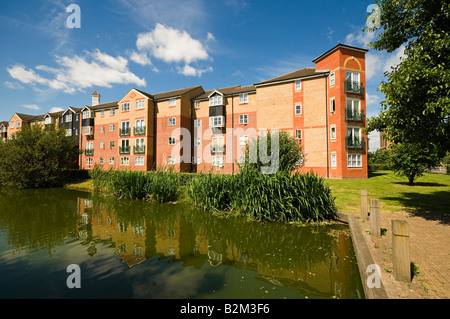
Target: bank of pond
[(280, 197)]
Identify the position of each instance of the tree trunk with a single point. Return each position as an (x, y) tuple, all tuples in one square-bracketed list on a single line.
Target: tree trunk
[(411, 180)]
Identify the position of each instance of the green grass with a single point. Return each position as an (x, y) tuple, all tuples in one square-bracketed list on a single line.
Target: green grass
[(431, 193)]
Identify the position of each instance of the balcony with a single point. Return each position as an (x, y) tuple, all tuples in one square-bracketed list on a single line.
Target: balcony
[(354, 115), (139, 149), (124, 150), (217, 149), (354, 87), (140, 130), (124, 131), (354, 143), (89, 152)]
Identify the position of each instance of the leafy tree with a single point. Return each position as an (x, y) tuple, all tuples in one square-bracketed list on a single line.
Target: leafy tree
[(416, 108), (36, 157), (273, 152), (412, 160)]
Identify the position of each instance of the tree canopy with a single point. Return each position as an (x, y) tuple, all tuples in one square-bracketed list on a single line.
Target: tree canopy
[(416, 108)]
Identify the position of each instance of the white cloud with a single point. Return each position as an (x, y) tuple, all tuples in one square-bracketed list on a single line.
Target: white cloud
[(210, 37), (31, 106), (394, 59), (96, 69), (374, 141), (188, 70), (372, 99), (171, 45), (56, 109), (140, 58), (13, 85)]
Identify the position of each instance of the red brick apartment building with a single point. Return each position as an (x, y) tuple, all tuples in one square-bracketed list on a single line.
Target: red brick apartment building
[(192, 130)]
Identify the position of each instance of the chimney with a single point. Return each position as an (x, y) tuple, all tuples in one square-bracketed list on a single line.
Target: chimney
[(95, 98)]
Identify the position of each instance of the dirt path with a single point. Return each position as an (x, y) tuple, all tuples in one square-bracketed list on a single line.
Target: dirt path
[(429, 250)]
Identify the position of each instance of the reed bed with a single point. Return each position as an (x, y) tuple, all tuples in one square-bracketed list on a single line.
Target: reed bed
[(281, 197)]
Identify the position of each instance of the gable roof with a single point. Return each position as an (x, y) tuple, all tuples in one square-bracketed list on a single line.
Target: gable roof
[(73, 109), (302, 73), (339, 46), (4, 123), (100, 106), (25, 117), (172, 94), (228, 91)]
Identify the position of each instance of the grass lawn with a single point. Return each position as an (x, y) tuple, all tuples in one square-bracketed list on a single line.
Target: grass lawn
[(431, 193)]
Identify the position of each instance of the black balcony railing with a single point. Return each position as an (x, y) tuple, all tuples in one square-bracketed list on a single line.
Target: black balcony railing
[(354, 87), (125, 131), (140, 130), (354, 115), (89, 152), (352, 143), (124, 150), (217, 149), (139, 149)]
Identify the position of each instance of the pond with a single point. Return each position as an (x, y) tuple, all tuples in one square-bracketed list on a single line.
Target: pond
[(136, 249)]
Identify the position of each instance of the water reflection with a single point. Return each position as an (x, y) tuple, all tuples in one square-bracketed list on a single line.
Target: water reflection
[(178, 251)]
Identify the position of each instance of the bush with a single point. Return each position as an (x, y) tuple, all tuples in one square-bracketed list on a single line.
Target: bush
[(280, 197)]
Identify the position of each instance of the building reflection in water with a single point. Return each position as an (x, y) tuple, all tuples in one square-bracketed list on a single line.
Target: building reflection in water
[(320, 258)]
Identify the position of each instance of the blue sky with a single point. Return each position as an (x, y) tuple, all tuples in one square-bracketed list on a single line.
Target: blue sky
[(158, 46)]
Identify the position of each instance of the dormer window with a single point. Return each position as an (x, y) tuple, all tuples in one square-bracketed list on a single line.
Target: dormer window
[(216, 100), (48, 120), (243, 98), (172, 102), (68, 118), (87, 114)]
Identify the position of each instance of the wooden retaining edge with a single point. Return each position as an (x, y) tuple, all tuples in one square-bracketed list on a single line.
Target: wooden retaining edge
[(363, 256)]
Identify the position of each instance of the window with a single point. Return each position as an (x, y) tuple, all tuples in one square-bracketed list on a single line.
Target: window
[(332, 79), (196, 160), (11, 125), (18, 124), (332, 105), (86, 115), (68, 118), (197, 123), (218, 144), (216, 100), (102, 161), (353, 105), (172, 160), (90, 146), (298, 85), (172, 140), (243, 140), (112, 112), (354, 160), (102, 128), (241, 160), (112, 127), (172, 102), (111, 160), (125, 126), (243, 119), (197, 105), (298, 109), (125, 107), (89, 161), (139, 161), (140, 126), (352, 76), (102, 144), (298, 134), (217, 121), (68, 132), (243, 98), (354, 134), (172, 121), (102, 113), (76, 132), (48, 120), (198, 141), (217, 161), (140, 104), (333, 132), (124, 161), (333, 160), (112, 144)]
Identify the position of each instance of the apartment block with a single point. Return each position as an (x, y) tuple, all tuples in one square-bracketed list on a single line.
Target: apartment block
[(193, 130)]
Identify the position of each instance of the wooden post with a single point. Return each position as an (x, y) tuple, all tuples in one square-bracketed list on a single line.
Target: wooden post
[(375, 221), (364, 208), (400, 250)]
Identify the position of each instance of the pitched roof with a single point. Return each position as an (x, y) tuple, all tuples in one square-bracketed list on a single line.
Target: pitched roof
[(26, 117), (228, 91), (101, 106), (339, 46), (169, 94), (302, 73), (4, 123)]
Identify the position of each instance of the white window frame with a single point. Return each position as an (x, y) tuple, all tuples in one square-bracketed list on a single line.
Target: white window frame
[(102, 145), (172, 121), (112, 144), (11, 125), (352, 104), (125, 107), (89, 161), (111, 161), (102, 128), (352, 76), (140, 104), (172, 102), (216, 100), (86, 115), (332, 79), (298, 85), (69, 132), (243, 140), (217, 161), (68, 118), (48, 120), (333, 160), (354, 160), (102, 113), (112, 112), (125, 161), (243, 119), (243, 98), (198, 141), (333, 105), (90, 146), (197, 105), (172, 140), (355, 128), (172, 160), (197, 123), (102, 161), (112, 127), (299, 134), (139, 161), (217, 121), (333, 128), (196, 160), (298, 111)]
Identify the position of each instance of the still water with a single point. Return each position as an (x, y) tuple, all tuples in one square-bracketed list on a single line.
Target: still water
[(135, 249)]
